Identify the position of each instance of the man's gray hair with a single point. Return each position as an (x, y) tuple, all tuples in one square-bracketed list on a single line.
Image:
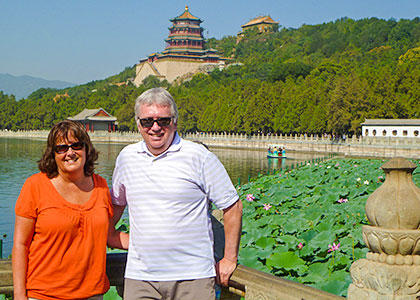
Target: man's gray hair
[(157, 96)]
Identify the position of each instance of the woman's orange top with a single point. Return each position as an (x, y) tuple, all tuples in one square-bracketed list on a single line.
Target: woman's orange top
[(67, 255)]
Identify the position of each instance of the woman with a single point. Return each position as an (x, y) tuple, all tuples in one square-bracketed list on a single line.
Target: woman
[(62, 217)]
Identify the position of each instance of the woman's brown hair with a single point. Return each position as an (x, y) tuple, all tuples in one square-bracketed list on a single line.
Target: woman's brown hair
[(64, 130)]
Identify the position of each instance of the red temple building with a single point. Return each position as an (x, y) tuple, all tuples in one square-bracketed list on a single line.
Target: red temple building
[(96, 119), (184, 53)]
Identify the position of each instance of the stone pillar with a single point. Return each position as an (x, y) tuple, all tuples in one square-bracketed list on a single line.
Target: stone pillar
[(391, 270)]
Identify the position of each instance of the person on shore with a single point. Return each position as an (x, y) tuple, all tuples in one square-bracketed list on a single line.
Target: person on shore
[(168, 183), (61, 225)]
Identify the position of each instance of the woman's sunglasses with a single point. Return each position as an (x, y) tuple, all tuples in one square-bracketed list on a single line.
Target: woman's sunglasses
[(162, 122), (60, 149)]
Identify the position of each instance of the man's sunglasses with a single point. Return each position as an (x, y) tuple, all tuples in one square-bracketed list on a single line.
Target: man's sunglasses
[(64, 148), (162, 122)]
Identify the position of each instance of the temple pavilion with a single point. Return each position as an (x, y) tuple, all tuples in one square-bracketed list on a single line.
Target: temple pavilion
[(262, 23), (96, 119), (184, 53)]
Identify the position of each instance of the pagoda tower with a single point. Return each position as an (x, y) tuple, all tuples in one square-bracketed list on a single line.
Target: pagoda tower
[(185, 35), (184, 54)]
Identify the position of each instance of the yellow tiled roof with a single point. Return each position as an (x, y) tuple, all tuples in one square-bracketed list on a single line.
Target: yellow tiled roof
[(187, 15), (259, 20)]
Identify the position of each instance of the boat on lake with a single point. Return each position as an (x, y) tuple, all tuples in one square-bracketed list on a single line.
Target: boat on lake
[(276, 151)]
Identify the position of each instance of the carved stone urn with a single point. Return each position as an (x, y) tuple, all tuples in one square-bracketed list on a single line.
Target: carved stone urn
[(391, 269), (396, 204)]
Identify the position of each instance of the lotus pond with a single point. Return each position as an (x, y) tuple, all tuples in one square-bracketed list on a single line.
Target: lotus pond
[(305, 224)]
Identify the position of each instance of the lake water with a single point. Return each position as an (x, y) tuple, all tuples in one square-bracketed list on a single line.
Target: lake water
[(18, 160)]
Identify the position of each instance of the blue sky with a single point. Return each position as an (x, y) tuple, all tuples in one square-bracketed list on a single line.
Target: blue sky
[(83, 40)]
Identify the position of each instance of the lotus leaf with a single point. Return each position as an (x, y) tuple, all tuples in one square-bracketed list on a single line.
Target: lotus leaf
[(333, 286), (286, 260), (326, 224), (320, 269), (265, 242), (306, 251), (247, 239), (263, 254), (290, 227), (252, 262), (332, 197), (342, 262), (281, 248), (360, 253), (289, 240), (112, 294), (308, 235), (322, 239), (254, 234), (312, 278)]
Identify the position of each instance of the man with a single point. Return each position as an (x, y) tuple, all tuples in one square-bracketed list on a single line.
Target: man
[(167, 183)]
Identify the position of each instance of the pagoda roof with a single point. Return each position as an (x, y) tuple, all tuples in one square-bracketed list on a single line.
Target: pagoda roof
[(214, 55), (260, 20), (186, 54), (189, 56), (186, 15), (211, 50), (183, 50), (184, 26), (184, 37)]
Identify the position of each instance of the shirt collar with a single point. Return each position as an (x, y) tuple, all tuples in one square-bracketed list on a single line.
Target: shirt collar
[(175, 146)]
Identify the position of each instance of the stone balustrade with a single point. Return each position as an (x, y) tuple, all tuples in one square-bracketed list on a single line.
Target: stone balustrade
[(6, 282), (245, 282), (353, 146)]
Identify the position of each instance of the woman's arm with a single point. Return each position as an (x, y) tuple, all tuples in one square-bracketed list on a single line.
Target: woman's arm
[(24, 230), (117, 239)]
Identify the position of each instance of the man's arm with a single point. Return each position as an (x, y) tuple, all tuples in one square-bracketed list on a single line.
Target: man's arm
[(232, 217), (117, 239)]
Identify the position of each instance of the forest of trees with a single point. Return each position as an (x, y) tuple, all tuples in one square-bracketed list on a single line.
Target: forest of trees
[(325, 78)]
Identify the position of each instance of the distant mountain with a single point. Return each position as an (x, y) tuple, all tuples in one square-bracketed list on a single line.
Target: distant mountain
[(23, 86)]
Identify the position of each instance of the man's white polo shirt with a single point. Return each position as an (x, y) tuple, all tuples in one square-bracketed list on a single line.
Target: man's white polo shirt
[(168, 202)]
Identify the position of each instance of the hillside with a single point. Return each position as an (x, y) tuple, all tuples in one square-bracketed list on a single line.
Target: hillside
[(23, 86), (325, 78)]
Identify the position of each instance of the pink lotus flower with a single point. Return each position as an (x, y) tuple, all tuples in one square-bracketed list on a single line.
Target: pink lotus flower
[(343, 200), (300, 246), (250, 197), (334, 247), (267, 206)]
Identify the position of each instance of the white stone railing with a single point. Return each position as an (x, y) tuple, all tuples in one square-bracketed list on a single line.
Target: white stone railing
[(407, 147)]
